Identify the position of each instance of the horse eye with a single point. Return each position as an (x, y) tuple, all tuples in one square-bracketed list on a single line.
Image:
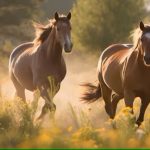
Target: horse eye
[(141, 39), (58, 29)]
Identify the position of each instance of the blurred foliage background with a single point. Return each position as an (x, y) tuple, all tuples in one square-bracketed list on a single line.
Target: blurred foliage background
[(17, 17), (99, 23), (96, 24)]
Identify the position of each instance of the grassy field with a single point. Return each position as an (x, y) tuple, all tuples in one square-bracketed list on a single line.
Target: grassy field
[(18, 128), (75, 124)]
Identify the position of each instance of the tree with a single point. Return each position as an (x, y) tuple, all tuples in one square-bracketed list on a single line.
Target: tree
[(99, 23)]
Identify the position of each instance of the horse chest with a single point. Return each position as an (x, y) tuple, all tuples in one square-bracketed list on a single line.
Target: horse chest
[(56, 71), (142, 84), (145, 81)]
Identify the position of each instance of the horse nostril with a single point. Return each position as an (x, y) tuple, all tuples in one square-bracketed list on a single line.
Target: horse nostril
[(71, 45), (65, 45), (147, 59)]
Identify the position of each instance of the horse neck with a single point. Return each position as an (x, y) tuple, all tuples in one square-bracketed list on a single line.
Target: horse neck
[(140, 59), (53, 48)]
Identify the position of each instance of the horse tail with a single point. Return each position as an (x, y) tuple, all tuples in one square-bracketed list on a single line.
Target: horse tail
[(92, 94)]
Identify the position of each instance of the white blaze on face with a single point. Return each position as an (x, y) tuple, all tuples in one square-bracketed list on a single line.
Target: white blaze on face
[(147, 35)]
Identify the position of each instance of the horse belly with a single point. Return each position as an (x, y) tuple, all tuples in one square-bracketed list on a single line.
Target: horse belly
[(111, 74), (23, 74)]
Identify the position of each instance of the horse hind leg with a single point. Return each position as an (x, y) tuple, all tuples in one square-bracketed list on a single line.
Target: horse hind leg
[(20, 91), (106, 94)]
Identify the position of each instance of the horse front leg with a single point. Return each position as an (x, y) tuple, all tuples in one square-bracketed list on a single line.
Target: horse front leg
[(106, 94), (129, 97), (144, 104), (47, 92), (49, 105)]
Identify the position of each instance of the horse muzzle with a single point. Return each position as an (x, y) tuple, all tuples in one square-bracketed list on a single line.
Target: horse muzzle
[(147, 60), (68, 48)]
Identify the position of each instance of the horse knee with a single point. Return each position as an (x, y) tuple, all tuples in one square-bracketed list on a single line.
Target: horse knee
[(49, 106), (129, 98), (52, 107), (21, 94)]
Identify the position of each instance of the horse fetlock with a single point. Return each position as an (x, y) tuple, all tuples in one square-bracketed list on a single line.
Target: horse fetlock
[(52, 107), (43, 112), (45, 109), (139, 122), (109, 111)]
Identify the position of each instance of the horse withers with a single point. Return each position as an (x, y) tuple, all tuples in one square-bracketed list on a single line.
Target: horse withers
[(38, 64), (124, 72)]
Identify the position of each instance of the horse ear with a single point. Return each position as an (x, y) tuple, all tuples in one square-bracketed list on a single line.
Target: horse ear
[(69, 16), (142, 26), (56, 16)]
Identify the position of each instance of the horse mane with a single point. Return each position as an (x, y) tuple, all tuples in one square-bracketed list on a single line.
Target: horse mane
[(135, 35), (42, 31)]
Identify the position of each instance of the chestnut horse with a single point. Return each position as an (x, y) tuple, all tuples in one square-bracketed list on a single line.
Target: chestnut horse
[(34, 65), (124, 72)]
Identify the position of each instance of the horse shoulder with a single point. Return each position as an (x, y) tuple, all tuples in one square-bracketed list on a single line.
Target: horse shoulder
[(43, 69), (130, 71)]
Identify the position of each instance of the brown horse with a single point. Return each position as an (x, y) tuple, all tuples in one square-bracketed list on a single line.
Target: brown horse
[(32, 65), (124, 72)]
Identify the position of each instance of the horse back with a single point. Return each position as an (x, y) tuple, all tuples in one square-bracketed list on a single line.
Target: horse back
[(20, 49), (116, 52)]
